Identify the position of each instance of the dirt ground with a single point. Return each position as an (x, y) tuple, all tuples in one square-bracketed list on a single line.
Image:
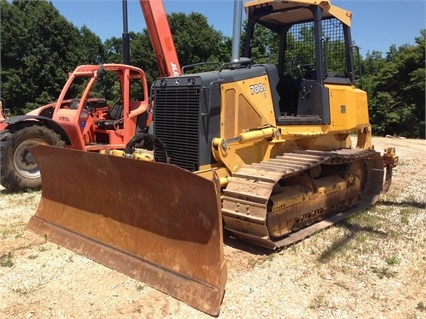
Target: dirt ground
[(372, 265)]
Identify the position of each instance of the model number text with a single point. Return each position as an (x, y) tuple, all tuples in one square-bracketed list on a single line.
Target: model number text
[(257, 88)]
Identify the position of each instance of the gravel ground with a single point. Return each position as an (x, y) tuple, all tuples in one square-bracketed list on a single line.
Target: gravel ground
[(372, 265)]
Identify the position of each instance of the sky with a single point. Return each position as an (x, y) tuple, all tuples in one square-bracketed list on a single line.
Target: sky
[(376, 24)]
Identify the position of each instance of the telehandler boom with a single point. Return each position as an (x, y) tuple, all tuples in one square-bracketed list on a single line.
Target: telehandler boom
[(261, 149)]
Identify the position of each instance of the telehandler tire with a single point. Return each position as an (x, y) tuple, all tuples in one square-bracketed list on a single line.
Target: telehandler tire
[(18, 170)]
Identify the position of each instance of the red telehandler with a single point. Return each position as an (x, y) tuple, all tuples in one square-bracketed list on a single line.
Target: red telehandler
[(89, 115)]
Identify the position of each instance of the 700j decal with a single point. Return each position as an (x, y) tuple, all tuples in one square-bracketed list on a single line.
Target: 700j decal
[(257, 88)]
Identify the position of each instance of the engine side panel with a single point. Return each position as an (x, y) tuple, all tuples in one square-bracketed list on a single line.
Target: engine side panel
[(190, 111)]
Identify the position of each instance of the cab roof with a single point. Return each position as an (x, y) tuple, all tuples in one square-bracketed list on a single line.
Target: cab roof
[(295, 11)]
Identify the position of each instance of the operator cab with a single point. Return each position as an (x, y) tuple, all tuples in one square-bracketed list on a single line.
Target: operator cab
[(103, 106), (311, 47)]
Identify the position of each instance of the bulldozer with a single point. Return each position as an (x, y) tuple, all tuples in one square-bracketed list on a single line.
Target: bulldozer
[(89, 115), (262, 150)]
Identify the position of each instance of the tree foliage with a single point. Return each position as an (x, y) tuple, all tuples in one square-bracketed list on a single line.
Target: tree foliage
[(396, 88), (38, 48), (195, 41)]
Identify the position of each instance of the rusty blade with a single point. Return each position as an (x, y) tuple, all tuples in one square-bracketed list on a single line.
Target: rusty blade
[(154, 222)]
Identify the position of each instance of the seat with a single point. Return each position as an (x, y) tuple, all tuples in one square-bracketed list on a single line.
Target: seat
[(113, 122)]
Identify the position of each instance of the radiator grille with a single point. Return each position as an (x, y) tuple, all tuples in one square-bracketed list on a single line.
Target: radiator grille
[(176, 118)]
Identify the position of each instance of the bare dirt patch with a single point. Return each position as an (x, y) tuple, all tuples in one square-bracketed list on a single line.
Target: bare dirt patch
[(372, 265)]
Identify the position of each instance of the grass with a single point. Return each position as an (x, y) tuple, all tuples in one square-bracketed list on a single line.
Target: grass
[(369, 220), (386, 271), (14, 229), (140, 287), (23, 291), (252, 263), (138, 309), (421, 307), (365, 232), (6, 260), (361, 238), (383, 272), (407, 209), (392, 261), (404, 220), (358, 234), (319, 301)]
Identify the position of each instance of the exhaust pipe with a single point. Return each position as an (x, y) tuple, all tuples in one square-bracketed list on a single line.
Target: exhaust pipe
[(126, 39), (236, 32)]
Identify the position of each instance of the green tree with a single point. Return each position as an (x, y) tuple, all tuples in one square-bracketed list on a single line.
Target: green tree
[(396, 89), (142, 55), (38, 49), (195, 41), (264, 44), (113, 48), (93, 47)]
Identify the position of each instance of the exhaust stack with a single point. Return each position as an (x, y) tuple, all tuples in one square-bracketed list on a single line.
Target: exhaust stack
[(236, 32)]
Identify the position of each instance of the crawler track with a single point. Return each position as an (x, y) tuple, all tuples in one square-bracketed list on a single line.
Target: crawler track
[(251, 211)]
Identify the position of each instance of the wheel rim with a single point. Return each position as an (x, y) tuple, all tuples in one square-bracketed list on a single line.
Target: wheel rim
[(23, 161)]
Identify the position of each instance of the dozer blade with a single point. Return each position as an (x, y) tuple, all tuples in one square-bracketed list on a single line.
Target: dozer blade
[(154, 222)]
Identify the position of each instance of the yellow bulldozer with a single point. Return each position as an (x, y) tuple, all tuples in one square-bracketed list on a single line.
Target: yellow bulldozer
[(263, 150)]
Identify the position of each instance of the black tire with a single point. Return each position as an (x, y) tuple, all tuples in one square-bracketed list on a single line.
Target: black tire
[(18, 169)]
